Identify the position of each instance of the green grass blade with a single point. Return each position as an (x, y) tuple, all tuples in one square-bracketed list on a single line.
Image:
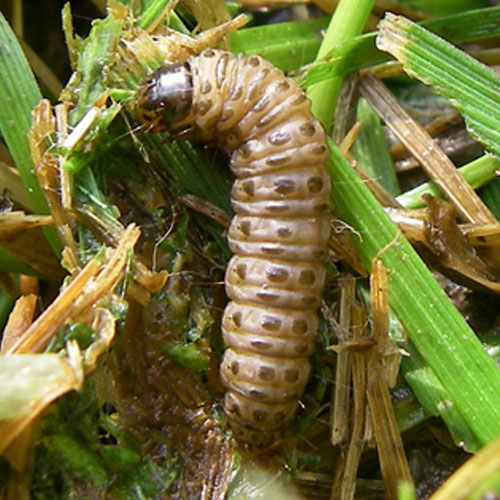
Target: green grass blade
[(19, 94), (372, 150), (476, 173), (6, 303), (96, 56), (347, 21), (435, 327), (444, 8), (360, 52), (189, 170), (434, 398), (154, 10), (472, 87), (287, 45), (490, 194), (10, 263)]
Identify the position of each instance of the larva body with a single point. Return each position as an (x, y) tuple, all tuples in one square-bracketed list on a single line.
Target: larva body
[(279, 233)]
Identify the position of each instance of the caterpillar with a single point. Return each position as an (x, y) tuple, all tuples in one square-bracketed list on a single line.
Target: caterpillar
[(280, 229)]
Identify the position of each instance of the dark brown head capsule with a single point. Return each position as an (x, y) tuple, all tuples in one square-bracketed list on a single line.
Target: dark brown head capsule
[(165, 98)]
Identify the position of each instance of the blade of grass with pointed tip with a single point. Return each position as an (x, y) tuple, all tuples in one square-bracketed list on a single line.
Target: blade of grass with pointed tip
[(435, 327), (19, 94), (360, 52), (472, 87)]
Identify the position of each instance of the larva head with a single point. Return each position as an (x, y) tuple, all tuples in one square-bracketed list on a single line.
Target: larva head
[(165, 99)]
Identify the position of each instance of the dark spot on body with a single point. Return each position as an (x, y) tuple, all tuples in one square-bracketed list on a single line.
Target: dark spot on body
[(256, 394), (277, 207), (301, 348), (283, 85), (260, 415), (271, 250), (260, 105), (249, 187), (254, 61), (299, 326), (241, 270), (237, 318), (309, 300), (226, 114), (278, 138), (266, 120), (284, 232), (319, 150), (245, 227), (277, 159), (203, 106), (271, 323), (277, 274), (307, 129), (291, 375), (235, 367), (279, 416), (307, 277), (321, 207), (236, 93), (205, 87), (271, 297), (300, 100), (284, 186), (235, 409), (266, 373), (315, 184), (245, 150), (261, 345)]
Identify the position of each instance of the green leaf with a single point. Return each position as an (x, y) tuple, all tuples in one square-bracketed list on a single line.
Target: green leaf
[(360, 52), (437, 330), (443, 8), (12, 264), (154, 10), (19, 94), (188, 355), (347, 21), (96, 56), (372, 150), (187, 167), (490, 194), (78, 458), (287, 45), (476, 173), (472, 87)]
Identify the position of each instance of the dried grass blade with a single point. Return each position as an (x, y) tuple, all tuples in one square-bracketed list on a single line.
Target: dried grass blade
[(341, 391), (391, 454), (418, 141)]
